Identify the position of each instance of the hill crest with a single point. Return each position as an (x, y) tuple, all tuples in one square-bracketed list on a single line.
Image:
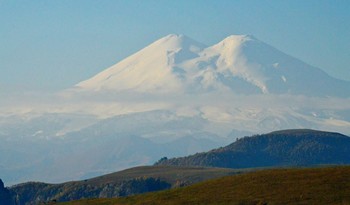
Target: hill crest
[(281, 148)]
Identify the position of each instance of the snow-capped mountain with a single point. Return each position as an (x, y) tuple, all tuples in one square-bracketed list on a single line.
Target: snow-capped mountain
[(239, 63), (173, 98)]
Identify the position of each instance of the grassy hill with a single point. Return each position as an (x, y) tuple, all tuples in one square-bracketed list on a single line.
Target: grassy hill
[(127, 182), (280, 148), (278, 186)]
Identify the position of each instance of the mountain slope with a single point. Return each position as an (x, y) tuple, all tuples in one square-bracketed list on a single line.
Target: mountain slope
[(243, 63), (123, 183), (282, 186), (282, 148)]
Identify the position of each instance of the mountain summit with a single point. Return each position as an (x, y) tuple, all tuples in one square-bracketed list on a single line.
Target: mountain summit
[(153, 68), (239, 63)]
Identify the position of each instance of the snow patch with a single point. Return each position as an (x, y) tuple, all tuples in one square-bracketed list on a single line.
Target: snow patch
[(40, 132), (284, 79)]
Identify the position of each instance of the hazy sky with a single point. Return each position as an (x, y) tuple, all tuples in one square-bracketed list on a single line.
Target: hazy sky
[(53, 44)]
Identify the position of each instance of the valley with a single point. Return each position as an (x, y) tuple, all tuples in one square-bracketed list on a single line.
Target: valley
[(235, 173)]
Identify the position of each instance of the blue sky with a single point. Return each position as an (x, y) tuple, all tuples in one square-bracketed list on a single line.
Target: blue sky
[(55, 44)]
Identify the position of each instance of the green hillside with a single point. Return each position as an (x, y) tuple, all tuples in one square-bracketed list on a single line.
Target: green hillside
[(279, 186), (275, 149)]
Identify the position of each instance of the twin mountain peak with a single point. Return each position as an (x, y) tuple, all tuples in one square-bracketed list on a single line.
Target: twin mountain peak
[(239, 64)]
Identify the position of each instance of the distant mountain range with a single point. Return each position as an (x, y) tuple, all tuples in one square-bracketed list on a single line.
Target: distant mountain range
[(172, 98), (275, 149)]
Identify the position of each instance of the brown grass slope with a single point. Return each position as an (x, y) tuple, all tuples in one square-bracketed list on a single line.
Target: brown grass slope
[(279, 186), (123, 183)]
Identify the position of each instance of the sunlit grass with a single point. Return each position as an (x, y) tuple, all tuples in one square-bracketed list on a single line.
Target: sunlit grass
[(279, 186)]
